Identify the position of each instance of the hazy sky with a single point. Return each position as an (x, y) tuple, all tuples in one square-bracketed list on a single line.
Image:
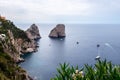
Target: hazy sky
[(61, 11)]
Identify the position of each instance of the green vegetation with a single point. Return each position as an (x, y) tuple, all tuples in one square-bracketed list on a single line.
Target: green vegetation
[(102, 70), (9, 70), (8, 25)]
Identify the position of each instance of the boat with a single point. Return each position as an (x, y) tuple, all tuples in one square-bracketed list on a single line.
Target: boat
[(98, 56), (77, 42)]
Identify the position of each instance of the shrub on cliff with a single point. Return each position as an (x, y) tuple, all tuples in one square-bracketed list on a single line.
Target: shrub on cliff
[(8, 25), (102, 70), (9, 70)]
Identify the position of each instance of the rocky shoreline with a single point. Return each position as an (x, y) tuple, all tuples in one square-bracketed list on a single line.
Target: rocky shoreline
[(27, 46)]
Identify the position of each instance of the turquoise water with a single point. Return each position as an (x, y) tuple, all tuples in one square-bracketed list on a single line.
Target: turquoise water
[(42, 64)]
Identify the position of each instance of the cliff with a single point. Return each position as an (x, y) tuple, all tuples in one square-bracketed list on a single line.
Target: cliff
[(58, 31), (9, 70), (13, 43)]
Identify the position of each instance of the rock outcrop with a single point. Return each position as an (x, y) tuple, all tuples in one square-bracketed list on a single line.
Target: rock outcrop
[(33, 32), (17, 41), (13, 43), (58, 31)]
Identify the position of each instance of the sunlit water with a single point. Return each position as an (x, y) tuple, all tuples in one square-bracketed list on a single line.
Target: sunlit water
[(42, 64)]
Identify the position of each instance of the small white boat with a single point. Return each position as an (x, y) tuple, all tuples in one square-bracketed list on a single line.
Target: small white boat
[(97, 57)]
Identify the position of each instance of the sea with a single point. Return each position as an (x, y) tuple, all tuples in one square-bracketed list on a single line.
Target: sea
[(79, 47)]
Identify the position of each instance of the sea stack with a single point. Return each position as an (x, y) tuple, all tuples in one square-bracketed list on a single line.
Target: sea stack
[(33, 32), (58, 31)]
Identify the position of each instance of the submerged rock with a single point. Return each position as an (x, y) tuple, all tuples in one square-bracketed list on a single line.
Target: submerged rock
[(33, 32), (58, 31)]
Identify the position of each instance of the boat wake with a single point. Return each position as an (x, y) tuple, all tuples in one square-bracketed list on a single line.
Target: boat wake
[(111, 47)]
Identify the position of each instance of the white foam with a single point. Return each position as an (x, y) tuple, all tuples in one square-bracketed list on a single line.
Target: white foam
[(110, 46)]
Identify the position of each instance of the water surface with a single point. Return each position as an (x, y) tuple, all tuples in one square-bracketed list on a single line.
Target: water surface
[(42, 64)]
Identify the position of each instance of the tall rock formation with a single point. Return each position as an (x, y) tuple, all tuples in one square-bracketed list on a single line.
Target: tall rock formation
[(33, 32), (58, 31)]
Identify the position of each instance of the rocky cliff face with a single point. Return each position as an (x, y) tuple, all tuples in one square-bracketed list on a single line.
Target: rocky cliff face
[(33, 32), (13, 43), (17, 41), (58, 31), (23, 46)]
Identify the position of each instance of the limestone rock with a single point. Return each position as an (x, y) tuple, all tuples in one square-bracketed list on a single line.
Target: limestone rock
[(58, 31), (2, 37), (33, 32)]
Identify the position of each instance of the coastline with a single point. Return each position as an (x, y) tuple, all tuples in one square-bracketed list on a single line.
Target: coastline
[(15, 42)]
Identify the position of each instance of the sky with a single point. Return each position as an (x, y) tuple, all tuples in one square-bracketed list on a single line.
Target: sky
[(61, 11)]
